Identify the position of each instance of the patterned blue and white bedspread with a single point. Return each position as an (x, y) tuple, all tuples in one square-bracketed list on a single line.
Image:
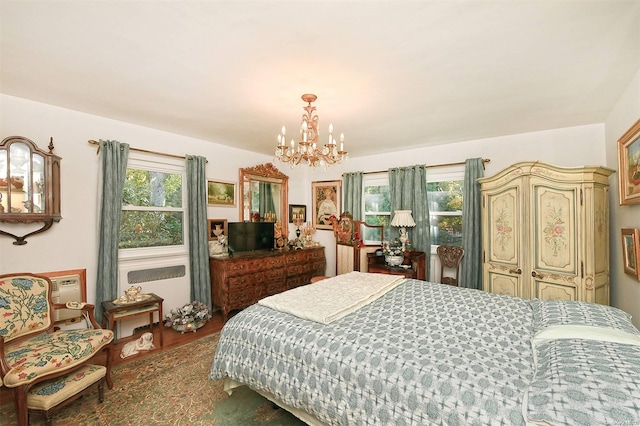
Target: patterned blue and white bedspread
[(421, 354), (427, 354)]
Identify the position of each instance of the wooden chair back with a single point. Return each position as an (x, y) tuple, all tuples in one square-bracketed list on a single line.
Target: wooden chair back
[(352, 255), (450, 258)]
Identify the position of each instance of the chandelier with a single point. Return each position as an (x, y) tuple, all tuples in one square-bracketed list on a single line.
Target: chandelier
[(307, 149)]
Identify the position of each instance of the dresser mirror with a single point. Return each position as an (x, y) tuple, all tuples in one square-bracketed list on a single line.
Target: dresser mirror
[(264, 194), (29, 185)]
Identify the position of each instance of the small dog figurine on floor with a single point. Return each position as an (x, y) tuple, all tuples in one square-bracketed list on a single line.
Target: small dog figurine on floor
[(144, 343)]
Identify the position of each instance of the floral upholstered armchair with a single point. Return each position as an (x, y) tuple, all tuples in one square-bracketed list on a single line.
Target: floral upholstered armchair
[(31, 351)]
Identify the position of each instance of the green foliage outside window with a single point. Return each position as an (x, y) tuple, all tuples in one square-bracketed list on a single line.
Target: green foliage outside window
[(152, 214), (377, 207), (445, 207), (145, 188)]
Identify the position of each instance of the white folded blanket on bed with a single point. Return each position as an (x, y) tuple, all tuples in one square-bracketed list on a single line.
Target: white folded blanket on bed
[(333, 298)]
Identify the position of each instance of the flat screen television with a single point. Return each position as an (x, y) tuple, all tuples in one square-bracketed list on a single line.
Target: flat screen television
[(250, 236)]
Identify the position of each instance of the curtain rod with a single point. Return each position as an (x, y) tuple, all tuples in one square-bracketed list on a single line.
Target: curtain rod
[(484, 160), (92, 142)]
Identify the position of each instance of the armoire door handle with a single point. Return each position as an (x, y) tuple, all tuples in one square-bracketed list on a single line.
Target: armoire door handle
[(515, 271), (537, 275)]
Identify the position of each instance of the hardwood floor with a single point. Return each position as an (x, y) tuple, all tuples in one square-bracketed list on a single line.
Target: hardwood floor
[(171, 339)]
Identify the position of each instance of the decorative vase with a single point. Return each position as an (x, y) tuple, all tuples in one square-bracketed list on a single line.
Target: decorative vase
[(394, 260)]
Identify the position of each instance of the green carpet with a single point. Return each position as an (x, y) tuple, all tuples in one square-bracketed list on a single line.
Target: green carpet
[(170, 387)]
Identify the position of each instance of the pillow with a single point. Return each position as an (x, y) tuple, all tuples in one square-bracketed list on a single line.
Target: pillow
[(584, 382), (561, 312)]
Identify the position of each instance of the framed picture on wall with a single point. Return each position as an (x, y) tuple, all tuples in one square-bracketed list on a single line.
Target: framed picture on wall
[(216, 228), (220, 193), (325, 197), (297, 211), (629, 165), (631, 252)]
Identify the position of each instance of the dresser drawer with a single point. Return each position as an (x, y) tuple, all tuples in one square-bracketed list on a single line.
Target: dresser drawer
[(236, 268), (297, 281), (240, 299), (295, 256), (275, 287), (248, 280), (298, 269), (303, 256)]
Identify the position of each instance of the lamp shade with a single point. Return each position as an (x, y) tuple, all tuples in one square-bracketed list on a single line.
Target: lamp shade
[(403, 218)]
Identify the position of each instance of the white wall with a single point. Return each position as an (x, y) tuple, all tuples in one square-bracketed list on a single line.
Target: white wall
[(574, 146), (72, 243), (625, 290)]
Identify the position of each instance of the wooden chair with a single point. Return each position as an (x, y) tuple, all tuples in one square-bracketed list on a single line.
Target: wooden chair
[(31, 350), (450, 258)]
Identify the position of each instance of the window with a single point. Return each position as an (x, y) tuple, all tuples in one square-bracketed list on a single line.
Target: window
[(377, 205), (445, 191), (153, 211)]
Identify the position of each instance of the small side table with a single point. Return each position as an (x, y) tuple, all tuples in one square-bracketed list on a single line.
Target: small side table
[(113, 312), (416, 259)]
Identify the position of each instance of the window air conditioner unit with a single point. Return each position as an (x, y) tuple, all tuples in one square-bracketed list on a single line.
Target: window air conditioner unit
[(66, 289)]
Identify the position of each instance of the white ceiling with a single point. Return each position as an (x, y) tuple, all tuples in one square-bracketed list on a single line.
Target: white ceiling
[(387, 73)]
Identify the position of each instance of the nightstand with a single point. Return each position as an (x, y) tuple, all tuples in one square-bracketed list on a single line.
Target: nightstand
[(416, 259)]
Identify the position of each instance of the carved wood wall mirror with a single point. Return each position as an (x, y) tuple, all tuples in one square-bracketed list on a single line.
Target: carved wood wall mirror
[(29, 185), (264, 194)]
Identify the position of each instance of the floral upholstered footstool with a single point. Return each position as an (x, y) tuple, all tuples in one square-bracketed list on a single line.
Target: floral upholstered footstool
[(51, 395)]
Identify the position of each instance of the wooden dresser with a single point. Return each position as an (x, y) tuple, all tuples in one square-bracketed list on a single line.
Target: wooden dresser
[(245, 278)]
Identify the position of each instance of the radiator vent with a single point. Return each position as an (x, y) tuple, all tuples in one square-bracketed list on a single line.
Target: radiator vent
[(155, 274)]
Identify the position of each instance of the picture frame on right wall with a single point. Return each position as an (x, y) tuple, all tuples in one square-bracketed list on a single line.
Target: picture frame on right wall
[(629, 165), (631, 252)]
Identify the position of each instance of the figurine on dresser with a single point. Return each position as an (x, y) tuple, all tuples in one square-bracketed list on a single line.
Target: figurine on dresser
[(278, 236)]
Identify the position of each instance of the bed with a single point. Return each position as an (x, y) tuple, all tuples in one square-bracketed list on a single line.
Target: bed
[(422, 353)]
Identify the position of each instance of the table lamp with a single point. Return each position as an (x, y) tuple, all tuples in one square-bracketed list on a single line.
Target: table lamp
[(403, 219)]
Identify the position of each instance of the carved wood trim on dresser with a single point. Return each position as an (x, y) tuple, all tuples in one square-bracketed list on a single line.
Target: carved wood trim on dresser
[(242, 280)]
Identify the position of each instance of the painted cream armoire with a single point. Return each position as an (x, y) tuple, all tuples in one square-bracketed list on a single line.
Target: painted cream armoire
[(545, 232)]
